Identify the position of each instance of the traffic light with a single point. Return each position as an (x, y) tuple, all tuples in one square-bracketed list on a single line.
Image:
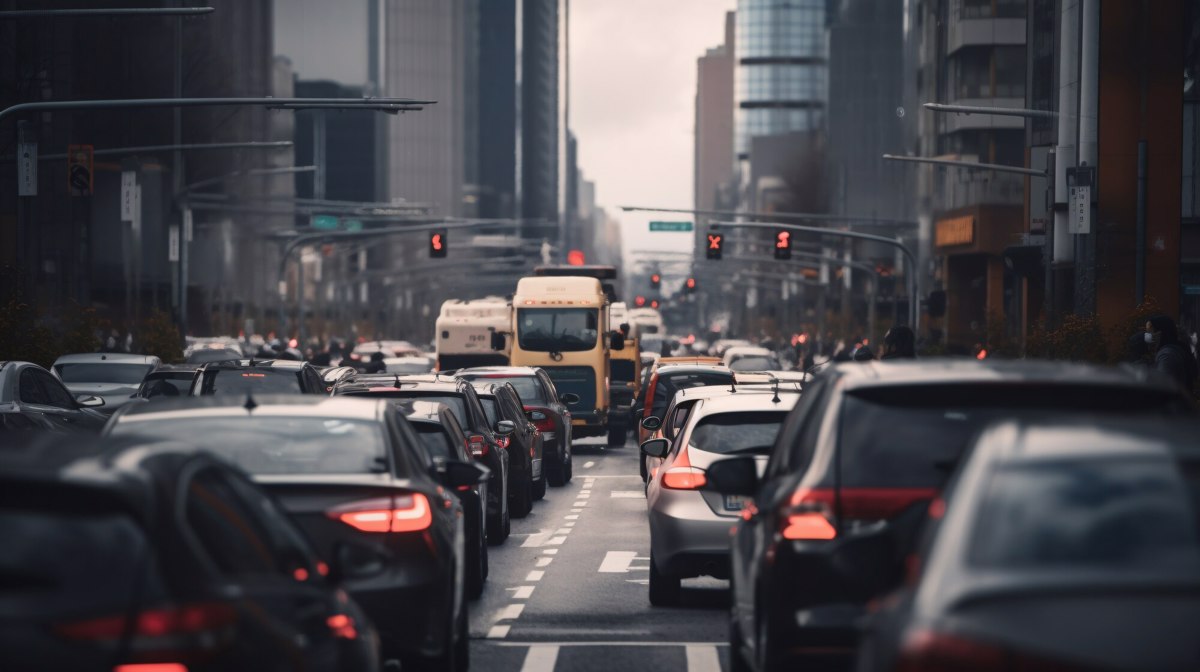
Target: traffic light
[(655, 281), (654, 303), (639, 301), (690, 285), (437, 244), (715, 242), (783, 244)]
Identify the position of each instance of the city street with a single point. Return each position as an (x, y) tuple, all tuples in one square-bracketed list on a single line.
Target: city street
[(568, 589)]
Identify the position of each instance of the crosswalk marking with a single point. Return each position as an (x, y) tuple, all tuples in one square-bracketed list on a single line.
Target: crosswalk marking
[(540, 659), (702, 658)]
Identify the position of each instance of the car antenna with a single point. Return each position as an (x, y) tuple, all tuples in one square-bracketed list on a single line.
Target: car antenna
[(250, 404), (775, 399)]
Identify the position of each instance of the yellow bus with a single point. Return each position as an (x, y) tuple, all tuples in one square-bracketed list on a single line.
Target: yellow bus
[(560, 324)]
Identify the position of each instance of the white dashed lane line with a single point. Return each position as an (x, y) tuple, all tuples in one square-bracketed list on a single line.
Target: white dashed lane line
[(540, 659)]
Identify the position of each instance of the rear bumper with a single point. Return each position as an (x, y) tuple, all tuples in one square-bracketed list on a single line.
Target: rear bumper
[(687, 538), (411, 614)]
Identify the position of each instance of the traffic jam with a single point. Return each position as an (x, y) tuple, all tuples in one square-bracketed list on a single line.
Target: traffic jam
[(384, 506)]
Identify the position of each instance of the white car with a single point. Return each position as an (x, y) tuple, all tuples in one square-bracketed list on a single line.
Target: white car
[(750, 358), (112, 376)]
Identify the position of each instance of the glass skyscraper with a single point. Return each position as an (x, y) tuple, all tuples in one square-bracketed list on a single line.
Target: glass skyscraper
[(780, 81)]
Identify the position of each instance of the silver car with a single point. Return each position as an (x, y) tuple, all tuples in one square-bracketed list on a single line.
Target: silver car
[(689, 527), (112, 376)]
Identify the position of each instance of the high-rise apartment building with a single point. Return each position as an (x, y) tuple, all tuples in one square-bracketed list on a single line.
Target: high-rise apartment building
[(713, 161)]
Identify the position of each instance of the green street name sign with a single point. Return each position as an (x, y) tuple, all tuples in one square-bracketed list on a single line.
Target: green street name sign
[(325, 222), (670, 226)]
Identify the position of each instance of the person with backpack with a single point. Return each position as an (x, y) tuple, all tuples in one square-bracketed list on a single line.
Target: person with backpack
[(1170, 355)]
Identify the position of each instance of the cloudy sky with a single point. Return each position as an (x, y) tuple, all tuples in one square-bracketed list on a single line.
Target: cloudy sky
[(633, 87)]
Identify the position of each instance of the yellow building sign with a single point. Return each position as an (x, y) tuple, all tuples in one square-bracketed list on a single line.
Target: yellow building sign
[(955, 231)]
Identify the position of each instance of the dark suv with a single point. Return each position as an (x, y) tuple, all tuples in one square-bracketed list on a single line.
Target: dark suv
[(527, 480), (461, 397), (852, 473), (258, 376), (543, 407)]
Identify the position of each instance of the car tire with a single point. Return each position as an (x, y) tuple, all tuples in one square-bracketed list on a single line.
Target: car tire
[(455, 657), (616, 436), (737, 662), (539, 486), (568, 468), (556, 475), (522, 501), (664, 589), (476, 569)]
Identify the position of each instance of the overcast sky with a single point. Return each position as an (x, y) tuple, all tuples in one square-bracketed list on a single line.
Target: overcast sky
[(633, 88)]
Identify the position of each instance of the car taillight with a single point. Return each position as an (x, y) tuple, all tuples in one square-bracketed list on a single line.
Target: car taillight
[(151, 667), (933, 651), (684, 478), (165, 621), (342, 626), (647, 412), (811, 512), (540, 418), (477, 445), (403, 513)]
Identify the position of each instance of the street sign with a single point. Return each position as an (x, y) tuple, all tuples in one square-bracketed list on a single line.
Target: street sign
[(136, 222), (352, 225), (324, 222), (173, 243), (128, 185), (670, 226), (1079, 204), (79, 170), (27, 160)]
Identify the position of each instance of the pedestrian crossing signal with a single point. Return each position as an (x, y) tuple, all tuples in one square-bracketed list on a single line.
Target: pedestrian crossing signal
[(716, 241), (783, 244), (437, 244)]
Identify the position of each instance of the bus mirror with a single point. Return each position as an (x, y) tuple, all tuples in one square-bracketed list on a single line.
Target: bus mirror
[(616, 341), (497, 341)]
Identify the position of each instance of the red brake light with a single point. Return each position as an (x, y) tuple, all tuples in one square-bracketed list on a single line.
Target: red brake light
[(405, 513), (151, 667), (811, 511), (342, 626), (932, 651), (477, 445), (684, 478)]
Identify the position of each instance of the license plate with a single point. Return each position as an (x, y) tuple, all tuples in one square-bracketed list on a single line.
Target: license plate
[(735, 502)]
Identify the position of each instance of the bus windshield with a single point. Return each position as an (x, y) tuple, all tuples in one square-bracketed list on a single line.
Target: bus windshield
[(557, 329)]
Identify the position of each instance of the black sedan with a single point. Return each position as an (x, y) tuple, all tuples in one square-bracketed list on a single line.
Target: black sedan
[(528, 479), (445, 442), (866, 448), (1059, 546), (352, 474), (125, 554), (258, 376), (32, 398)]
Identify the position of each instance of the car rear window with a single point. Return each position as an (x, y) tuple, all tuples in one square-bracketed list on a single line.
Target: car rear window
[(744, 433), (125, 374), (1114, 514), (433, 437), (669, 384), (251, 381), (912, 436), (166, 385), (274, 445), (490, 410), (451, 399), (755, 363), (528, 387)]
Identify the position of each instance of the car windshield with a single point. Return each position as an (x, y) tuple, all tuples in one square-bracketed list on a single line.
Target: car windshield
[(528, 387), (123, 374), (1136, 515), (250, 381), (434, 438), (557, 329), (166, 385), (746, 433), (912, 436), (755, 363), (271, 445)]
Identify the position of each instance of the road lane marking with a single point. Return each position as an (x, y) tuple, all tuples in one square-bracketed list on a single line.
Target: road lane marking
[(627, 494), (522, 593), (573, 516), (563, 530), (589, 464), (537, 539), (550, 551), (498, 631), (702, 658), (534, 575), (576, 510), (543, 561), (644, 582), (511, 612), (584, 503), (556, 541), (540, 659), (570, 524), (617, 562), (612, 643), (585, 491)]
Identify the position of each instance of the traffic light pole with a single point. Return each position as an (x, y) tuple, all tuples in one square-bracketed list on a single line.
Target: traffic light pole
[(913, 300)]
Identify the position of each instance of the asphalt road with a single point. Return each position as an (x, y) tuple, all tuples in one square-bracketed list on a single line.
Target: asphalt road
[(567, 591)]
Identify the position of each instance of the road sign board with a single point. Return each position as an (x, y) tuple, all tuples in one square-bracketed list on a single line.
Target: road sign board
[(1079, 213), (27, 160), (173, 242), (670, 226), (352, 225), (79, 170), (324, 222)]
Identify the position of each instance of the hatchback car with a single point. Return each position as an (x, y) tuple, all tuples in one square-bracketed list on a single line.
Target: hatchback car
[(462, 398), (31, 398), (114, 377), (352, 473), (543, 406), (127, 554), (750, 358), (866, 448), (689, 527), (258, 376), (1060, 545)]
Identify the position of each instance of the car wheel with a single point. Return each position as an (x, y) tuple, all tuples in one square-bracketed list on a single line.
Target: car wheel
[(568, 468), (539, 486), (556, 474), (498, 525), (737, 661), (522, 501), (664, 589)]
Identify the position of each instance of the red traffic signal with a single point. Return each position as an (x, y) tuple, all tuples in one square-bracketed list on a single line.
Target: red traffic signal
[(639, 301), (716, 242), (783, 244), (655, 281), (437, 244), (654, 303), (690, 285), (576, 258)]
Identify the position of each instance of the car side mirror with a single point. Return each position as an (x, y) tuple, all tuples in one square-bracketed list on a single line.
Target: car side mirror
[(616, 341), (734, 476), (652, 423), (457, 474), (623, 328), (89, 401), (569, 398), (656, 447), (506, 427), (497, 341)]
